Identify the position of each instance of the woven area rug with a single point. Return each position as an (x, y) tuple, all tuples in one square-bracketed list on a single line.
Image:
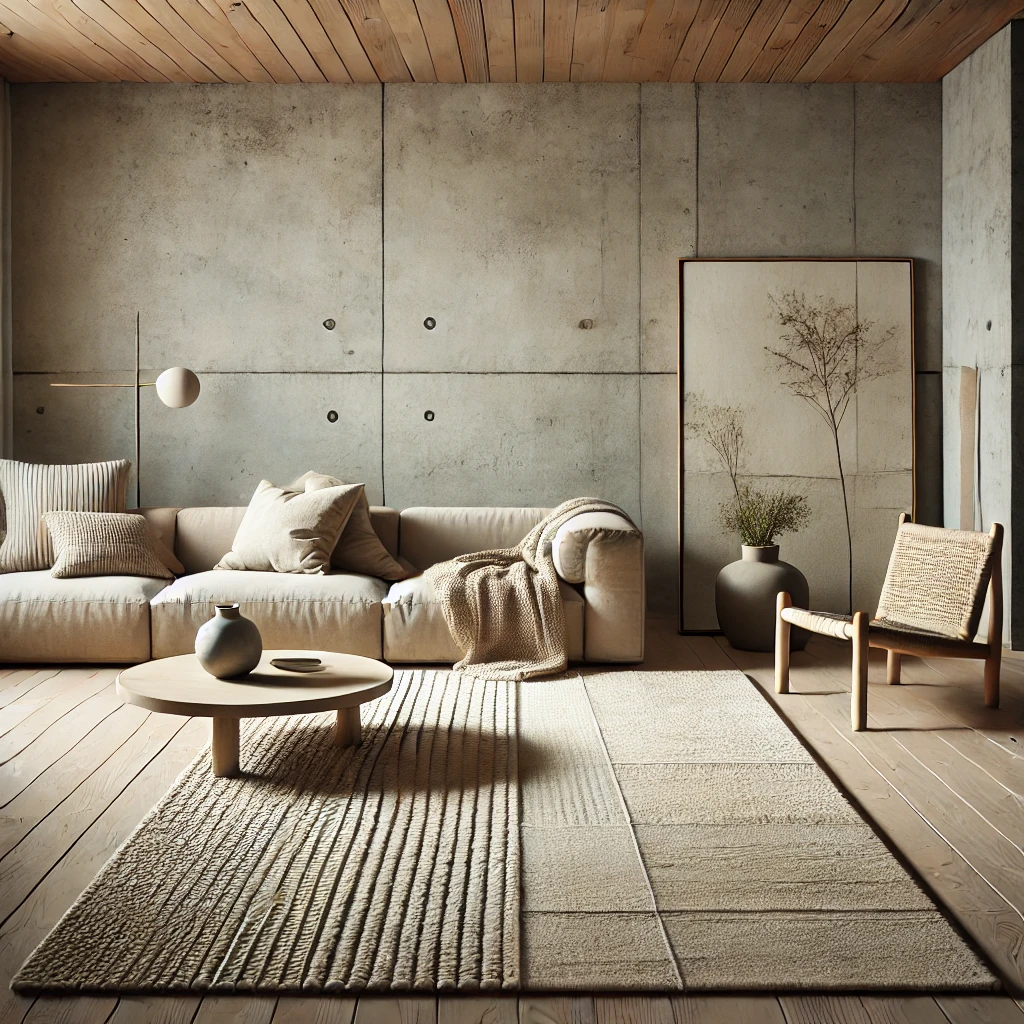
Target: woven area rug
[(385, 866), (674, 835), (677, 835)]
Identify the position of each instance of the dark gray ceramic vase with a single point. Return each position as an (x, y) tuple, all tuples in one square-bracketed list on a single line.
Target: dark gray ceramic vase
[(745, 596), (229, 645)]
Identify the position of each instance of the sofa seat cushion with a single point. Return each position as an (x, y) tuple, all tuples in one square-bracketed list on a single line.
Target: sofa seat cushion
[(415, 629), (335, 612), (91, 619)]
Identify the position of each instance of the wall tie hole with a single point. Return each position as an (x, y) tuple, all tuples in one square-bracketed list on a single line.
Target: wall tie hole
[(330, 324), (430, 323), (332, 417), (429, 415)]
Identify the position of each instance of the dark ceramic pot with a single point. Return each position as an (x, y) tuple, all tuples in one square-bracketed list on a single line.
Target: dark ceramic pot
[(745, 596)]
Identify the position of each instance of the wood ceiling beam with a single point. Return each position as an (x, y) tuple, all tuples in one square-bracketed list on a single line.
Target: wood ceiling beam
[(967, 42), (259, 42), (93, 30), (852, 19), (725, 39), (895, 36), (759, 30), (624, 34), (25, 60), (529, 22), (691, 53), (661, 37), (785, 33), (404, 21), (135, 15), (559, 34), (817, 28), (134, 40), (468, 16), (500, 36), (455, 41), (346, 42)]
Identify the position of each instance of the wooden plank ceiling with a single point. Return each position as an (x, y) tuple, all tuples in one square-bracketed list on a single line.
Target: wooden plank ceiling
[(492, 40)]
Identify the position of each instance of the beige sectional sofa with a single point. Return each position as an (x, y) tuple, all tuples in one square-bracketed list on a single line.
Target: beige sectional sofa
[(125, 619)]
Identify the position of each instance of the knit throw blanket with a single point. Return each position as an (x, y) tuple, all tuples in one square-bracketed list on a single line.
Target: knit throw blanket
[(504, 608)]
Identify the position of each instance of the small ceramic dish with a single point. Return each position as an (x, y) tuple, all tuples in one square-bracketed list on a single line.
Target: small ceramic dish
[(298, 664)]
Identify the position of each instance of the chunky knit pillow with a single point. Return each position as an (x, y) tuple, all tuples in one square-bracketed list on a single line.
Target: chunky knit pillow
[(28, 491), (103, 544)]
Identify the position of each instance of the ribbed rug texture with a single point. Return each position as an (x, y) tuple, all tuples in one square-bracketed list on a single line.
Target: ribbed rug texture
[(392, 865), (675, 836)]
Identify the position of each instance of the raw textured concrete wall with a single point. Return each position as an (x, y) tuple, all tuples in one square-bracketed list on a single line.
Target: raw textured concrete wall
[(979, 246), (538, 227)]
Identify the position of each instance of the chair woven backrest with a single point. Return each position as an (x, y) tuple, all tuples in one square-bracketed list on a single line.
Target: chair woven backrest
[(936, 581)]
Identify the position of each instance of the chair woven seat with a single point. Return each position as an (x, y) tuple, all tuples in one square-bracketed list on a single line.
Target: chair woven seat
[(930, 605)]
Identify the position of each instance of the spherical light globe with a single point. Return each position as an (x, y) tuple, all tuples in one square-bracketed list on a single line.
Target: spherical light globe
[(177, 387)]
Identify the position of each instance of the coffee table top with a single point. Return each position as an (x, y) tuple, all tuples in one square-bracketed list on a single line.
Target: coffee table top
[(181, 686)]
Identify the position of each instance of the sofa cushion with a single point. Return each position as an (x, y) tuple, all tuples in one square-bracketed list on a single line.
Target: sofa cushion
[(431, 535), (337, 612), (203, 535), (103, 544), (415, 628), (94, 619)]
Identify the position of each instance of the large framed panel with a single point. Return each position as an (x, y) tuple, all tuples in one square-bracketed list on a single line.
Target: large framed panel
[(733, 327)]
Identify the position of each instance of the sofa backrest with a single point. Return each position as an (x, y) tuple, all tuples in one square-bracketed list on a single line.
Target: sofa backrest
[(429, 535), (203, 535)]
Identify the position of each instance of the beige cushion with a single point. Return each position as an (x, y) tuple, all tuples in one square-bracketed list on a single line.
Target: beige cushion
[(28, 490), (103, 544), (96, 619), (333, 612), (203, 535), (431, 535), (291, 531), (162, 527), (359, 549), (415, 627)]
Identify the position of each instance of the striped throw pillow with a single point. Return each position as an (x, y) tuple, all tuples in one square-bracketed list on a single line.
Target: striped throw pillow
[(28, 491), (103, 544)]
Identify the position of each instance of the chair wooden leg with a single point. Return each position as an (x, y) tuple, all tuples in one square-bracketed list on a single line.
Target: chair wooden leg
[(859, 697), (782, 631), (992, 665), (892, 667)]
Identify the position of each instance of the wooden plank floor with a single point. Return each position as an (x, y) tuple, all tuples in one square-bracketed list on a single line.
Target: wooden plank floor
[(941, 777)]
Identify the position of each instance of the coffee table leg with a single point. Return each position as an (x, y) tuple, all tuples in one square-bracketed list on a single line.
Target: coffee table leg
[(225, 747), (349, 730)]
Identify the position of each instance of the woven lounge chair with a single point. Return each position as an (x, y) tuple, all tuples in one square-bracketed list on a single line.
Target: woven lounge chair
[(930, 606)]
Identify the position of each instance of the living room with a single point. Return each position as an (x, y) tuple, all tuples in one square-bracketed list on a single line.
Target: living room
[(508, 512)]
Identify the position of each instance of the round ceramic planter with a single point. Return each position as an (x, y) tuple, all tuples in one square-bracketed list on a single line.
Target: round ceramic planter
[(745, 596), (229, 645)]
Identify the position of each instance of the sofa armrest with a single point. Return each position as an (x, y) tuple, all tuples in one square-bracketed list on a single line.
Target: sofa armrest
[(605, 553)]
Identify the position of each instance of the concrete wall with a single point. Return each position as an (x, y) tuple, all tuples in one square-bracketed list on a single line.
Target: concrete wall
[(539, 227), (979, 247)]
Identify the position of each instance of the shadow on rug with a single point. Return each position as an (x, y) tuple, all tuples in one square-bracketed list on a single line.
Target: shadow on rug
[(675, 835)]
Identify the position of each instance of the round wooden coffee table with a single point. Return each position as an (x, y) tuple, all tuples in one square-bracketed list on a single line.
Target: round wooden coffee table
[(180, 686)]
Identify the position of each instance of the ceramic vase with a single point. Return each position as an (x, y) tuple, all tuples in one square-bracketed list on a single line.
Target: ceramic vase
[(745, 596), (229, 645)]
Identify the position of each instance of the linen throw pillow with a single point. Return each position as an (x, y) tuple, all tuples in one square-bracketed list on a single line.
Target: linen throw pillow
[(290, 531), (103, 544), (359, 549), (28, 491)]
